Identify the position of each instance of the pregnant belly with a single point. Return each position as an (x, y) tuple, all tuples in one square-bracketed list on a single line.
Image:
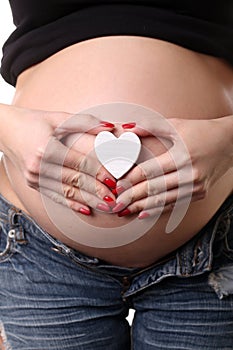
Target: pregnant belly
[(157, 75)]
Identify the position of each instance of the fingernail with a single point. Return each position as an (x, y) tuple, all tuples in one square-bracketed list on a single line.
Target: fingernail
[(143, 215), (128, 125), (118, 207), (110, 183), (84, 211), (124, 212), (103, 207), (106, 124), (114, 191), (110, 201), (118, 190)]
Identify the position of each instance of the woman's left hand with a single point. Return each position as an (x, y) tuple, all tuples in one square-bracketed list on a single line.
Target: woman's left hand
[(198, 156)]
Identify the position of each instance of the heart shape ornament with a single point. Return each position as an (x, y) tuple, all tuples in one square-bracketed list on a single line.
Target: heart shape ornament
[(117, 155)]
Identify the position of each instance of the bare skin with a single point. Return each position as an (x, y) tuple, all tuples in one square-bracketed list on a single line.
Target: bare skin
[(176, 82)]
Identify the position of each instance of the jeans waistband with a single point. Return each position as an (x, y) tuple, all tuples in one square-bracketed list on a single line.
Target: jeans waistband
[(192, 258)]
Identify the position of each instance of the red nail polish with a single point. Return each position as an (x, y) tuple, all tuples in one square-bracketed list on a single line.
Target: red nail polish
[(84, 211), (110, 201), (143, 215), (106, 124), (128, 125), (103, 207), (114, 191), (124, 212), (110, 183), (118, 207)]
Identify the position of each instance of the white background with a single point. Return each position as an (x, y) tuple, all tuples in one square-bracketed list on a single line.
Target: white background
[(6, 28), (6, 90)]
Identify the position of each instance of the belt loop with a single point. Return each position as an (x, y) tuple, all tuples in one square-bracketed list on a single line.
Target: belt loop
[(13, 216)]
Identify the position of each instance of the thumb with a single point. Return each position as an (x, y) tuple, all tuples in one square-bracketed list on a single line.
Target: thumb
[(160, 127), (66, 123)]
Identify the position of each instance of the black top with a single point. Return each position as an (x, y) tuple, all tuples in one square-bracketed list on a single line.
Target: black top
[(47, 26)]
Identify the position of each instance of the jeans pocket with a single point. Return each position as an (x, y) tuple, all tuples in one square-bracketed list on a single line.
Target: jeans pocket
[(7, 242)]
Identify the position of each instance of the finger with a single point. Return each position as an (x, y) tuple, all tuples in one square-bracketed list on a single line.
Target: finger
[(170, 161), (157, 125), (164, 203), (74, 194), (153, 187), (144, 189), (58, 153), (148, 188), (149, 169), (156, 212), (160, 201), (82, 123), (76, 179), (88, 165), (60, 199), (135, 198)]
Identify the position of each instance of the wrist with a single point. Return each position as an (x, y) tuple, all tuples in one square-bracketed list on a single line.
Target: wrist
[(9, 126), (226, 126)]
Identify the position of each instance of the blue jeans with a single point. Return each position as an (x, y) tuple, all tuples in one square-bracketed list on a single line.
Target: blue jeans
[(56, 298)]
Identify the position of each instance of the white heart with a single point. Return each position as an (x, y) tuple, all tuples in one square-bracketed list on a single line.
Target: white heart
[(117, 155)]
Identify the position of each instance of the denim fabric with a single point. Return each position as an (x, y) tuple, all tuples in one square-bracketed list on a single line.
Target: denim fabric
[(56, 298)]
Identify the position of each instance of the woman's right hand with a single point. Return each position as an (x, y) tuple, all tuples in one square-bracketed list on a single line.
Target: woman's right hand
[(33, 142)]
